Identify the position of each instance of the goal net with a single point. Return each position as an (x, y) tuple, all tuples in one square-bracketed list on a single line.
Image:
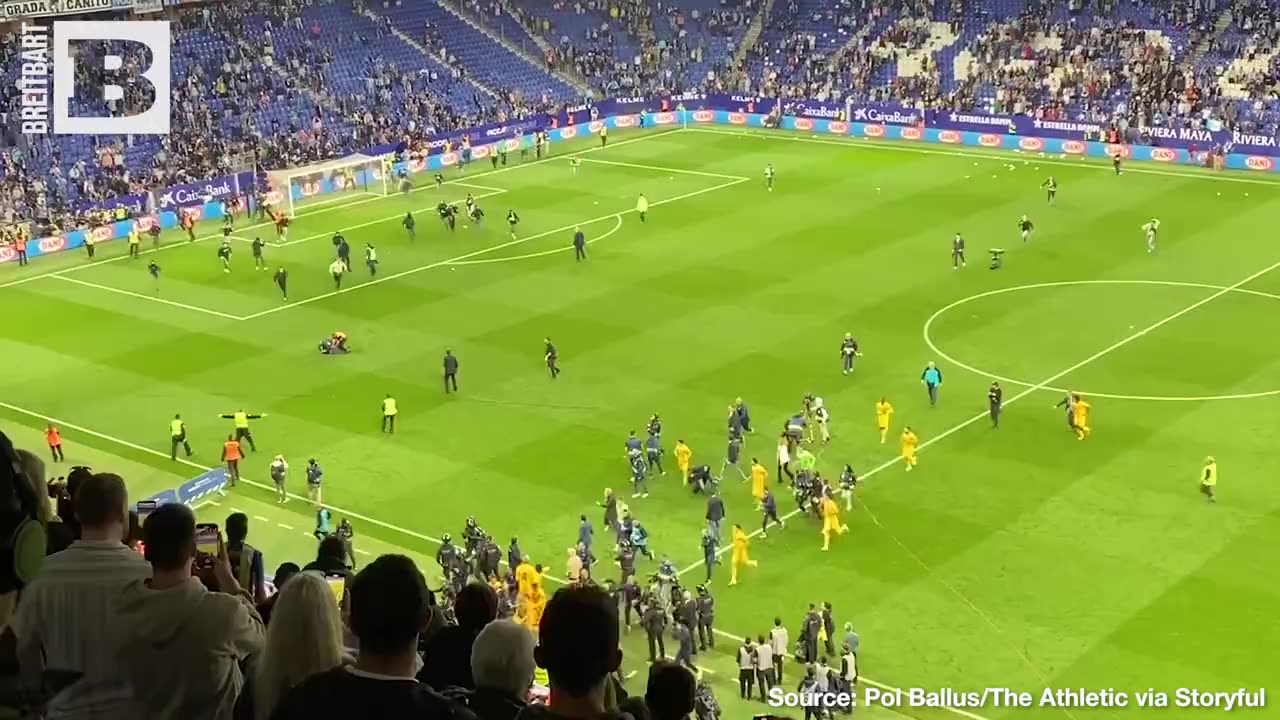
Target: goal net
[(334, 181)]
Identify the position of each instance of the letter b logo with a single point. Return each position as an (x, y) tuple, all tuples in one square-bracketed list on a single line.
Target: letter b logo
[(111, 78)]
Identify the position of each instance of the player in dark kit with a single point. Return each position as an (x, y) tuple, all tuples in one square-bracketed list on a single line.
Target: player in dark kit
[(282, 281), (549, 353), (579, 245), (512, 220), (995, 403), (1051, 186), (409, 224), (224, 254), (439, 180), (447, 213), (1025, 227), (1115, 162), (154, 270), (258, 261), (450, 371), (848, 351), (957, 252), (344, 250)]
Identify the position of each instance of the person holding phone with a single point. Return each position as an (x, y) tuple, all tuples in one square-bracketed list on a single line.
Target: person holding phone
[(185, 632)]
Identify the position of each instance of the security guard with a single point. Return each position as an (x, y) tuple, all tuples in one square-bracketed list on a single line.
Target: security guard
[(654, 622), (178, 436), (389, 414), (241, 420), (706, 618)]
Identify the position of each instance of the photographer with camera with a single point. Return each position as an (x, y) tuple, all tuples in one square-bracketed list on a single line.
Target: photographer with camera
[(186, 632)]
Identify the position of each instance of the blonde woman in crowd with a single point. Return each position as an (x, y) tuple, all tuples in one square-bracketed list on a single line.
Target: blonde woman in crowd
[(303, 639)]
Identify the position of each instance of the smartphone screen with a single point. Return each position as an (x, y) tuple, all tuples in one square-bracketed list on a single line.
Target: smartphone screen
[(337, 585), (145, 508), (207, 539)]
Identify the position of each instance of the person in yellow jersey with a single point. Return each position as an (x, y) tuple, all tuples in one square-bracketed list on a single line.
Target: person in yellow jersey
[(389, 414), (831, 521), (642, 206), (526, 577), (759, 476), (135, 237), (741, 553), (884, 413), (683, 455), (1080, 416), (1209, 479), (909, 444), (241, 419)]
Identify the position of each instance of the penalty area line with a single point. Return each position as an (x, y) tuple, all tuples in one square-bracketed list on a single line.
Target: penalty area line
[(528, 256), (152, 298)]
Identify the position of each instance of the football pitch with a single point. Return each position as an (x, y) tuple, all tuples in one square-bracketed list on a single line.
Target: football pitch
[(1016, 557)]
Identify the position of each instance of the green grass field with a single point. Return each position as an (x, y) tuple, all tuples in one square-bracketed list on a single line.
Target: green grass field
[(1017, 558)]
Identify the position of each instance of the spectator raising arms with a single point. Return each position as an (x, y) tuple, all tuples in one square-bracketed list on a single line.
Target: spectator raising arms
[(65, 616), (182, 644), (388, 608), (303, 639)]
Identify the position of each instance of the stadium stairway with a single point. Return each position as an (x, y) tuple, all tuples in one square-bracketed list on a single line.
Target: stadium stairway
[(752, 35), (580, 87), (1201, 48), (411, 42), (541, 42)]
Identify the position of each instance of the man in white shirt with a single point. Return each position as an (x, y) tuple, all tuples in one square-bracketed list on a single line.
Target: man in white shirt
[(764, 666), (66, 614), (746, 668), (780, 641)]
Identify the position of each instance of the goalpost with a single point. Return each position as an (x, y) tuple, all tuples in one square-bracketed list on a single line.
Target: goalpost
[(331, 181)]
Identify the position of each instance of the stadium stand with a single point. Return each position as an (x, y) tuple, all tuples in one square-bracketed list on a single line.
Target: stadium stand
[(286, 83)]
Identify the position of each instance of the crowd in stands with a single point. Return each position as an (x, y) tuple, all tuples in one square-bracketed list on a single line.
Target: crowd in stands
[(124, 621), (277, 86)]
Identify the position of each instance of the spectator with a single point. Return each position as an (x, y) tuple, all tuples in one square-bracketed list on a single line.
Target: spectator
[(669, 694), (305, 639), (284, 573), (388, 608), (331, 557), (447, 655), (246, 562), (182, 644), (502, 666), (65, 616), (58, 535), (578, 647)]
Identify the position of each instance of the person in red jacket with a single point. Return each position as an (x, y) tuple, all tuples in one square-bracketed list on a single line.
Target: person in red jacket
[(54, 438)]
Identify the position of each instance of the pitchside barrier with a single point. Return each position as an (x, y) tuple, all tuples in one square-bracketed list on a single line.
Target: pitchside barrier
[(190, 492), (689, 118)]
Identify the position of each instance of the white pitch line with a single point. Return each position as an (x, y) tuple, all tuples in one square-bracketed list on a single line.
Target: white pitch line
[(152, 298), (341, 511), (464, 183), (218, 235), (481, 251), (529, 256), (928, 339), (995, 154), (286, 527), (659, 168), (1032, 389)]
